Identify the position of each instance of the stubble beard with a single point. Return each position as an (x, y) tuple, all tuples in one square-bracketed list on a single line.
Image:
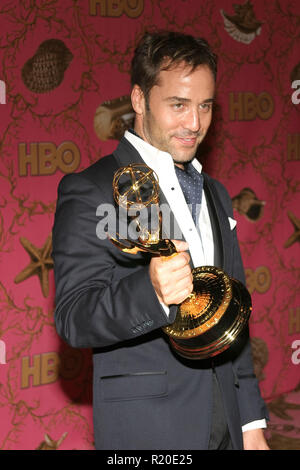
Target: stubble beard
[(183, 157), (164, 144)]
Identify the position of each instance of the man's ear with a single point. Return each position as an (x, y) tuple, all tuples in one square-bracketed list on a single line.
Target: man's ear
[(138, 100)]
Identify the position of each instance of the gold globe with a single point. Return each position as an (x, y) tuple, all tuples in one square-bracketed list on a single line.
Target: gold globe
[(135, 186)]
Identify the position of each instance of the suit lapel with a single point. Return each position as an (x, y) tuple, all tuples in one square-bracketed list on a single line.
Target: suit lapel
[(220, 225), (125, 154)]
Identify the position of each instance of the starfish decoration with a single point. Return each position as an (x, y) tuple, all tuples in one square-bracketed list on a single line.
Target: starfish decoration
[(40, 265), (295, 237)]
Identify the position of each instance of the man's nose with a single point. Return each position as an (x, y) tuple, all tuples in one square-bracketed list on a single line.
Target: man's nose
[(192, 120)]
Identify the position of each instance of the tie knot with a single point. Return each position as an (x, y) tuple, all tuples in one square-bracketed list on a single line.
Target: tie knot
[(189, 175)]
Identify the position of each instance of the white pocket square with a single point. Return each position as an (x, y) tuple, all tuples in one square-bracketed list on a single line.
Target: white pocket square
[(232, 223)]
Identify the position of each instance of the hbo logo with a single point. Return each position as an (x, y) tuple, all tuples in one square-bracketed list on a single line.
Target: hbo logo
[(247, 106), (43, 158)]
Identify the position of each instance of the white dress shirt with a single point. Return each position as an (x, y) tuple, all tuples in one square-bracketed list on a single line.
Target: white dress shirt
[(163, 165)]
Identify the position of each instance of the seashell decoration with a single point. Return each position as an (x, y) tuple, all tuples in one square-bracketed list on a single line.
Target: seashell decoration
[(243, 26), (113, 118), (45, 70), (247, 204)]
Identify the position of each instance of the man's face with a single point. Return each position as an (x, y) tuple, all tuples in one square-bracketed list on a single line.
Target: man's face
[(179, 111)]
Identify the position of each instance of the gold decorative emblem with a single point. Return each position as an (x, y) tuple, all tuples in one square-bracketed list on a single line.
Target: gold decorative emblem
[(216, 312), (243, 26), (40, 264)]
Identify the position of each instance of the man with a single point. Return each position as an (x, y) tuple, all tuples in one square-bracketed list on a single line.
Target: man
[(145, 395)]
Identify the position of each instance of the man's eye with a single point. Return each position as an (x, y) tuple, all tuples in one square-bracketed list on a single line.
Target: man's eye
[(206, 107), (178, 105)]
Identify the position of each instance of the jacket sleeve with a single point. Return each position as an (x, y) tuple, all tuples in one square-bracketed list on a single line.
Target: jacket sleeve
[(103, 296), (251, 405)]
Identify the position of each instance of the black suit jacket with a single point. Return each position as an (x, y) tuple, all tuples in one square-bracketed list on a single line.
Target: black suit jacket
[(145, 396)]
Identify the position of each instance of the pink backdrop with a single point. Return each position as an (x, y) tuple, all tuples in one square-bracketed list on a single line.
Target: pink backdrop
[(49, 95)]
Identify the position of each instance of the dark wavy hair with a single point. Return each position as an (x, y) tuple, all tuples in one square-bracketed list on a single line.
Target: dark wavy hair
[(163, 50)]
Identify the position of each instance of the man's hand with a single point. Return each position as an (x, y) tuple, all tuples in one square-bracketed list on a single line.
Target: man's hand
[(255, 440), (172, 278)]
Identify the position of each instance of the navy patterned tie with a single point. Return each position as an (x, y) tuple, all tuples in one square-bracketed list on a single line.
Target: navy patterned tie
[(191, 182)]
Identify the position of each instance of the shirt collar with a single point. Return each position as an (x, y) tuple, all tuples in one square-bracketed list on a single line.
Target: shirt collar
[(155, 158)]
